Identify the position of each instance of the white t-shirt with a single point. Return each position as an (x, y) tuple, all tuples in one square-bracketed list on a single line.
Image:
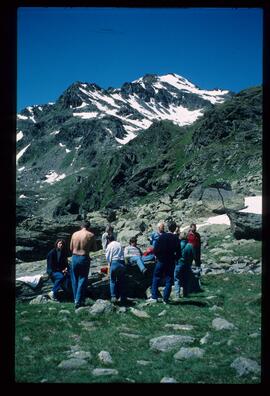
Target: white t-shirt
[(114, 251)]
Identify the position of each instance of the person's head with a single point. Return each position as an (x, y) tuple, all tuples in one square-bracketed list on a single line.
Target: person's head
[(193, 227), (161, 226), (85, 224), (172, 226), (183, 235), (60, 244), (133, 241), (110, 238), (109, 229)]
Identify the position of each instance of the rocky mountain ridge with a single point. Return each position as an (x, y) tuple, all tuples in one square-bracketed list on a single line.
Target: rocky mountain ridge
[(70, 168)]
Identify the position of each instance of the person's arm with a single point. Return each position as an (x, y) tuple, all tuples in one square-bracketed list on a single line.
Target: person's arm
[(126, 252), (65, 262), (157, 247), (177, 249)]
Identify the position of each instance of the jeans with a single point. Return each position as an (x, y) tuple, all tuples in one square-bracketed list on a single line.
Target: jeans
[(166, 269), (117, 279), (182, 274), (149, 257), (197, 256), (60, 281), (137, 260), (80, 266)]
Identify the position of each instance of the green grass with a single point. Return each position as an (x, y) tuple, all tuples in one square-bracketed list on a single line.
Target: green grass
[(253, 249), (52, 336)]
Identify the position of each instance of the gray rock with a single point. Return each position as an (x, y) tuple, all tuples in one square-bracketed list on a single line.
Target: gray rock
[(130, 335), (189, 353), (205, 339), (40, 300), (64, 312), (246, 225), (80, 355), (245, 366), (72, 363), (179, 326), (102, 371), (222, 324), (138, 313), (168, 342), (101, 307), (143, 362), (105, 357), (168, 380)]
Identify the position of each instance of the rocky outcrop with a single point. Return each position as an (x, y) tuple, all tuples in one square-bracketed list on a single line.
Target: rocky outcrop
[(216, 198), (35, 237), (245, 225), (136, 283)]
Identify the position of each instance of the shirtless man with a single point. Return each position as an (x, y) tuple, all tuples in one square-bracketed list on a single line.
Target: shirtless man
[(82, 242)]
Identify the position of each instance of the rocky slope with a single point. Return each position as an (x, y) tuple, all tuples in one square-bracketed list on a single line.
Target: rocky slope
[(75, 148), (70, 167)]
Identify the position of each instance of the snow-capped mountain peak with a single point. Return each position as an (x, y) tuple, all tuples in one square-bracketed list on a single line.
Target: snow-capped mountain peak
[(134, 106)]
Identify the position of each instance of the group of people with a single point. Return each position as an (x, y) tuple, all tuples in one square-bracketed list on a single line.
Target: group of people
[(173, 251)]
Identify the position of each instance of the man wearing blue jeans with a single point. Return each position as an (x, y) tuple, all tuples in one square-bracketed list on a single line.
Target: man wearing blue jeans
[(133, 254), (82, 242), (115, 257), (167, 251)]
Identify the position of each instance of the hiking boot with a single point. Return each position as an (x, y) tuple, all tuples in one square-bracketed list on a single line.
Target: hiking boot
[(123, 301), (152, 300), (113, 300), (52, 296)]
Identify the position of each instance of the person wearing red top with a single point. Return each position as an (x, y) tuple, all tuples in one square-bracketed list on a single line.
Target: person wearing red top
[(195, 239)]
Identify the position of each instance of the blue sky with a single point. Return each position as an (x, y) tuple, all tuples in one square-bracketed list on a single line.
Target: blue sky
[(211, 47)]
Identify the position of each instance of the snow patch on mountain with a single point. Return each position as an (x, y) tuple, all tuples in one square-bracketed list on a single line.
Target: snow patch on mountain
[(86, 115), (19, 136), (127, 138), (20, 154), (53, 177)]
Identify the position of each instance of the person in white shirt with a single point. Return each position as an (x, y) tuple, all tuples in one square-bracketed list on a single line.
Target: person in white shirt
[(108, 231), (115, 258), (133, 254)]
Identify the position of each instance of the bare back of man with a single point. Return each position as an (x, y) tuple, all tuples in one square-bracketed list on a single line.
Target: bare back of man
[(82, 242)]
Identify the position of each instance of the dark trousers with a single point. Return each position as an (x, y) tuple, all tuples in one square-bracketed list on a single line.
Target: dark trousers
[(166, 270), (60, 281)]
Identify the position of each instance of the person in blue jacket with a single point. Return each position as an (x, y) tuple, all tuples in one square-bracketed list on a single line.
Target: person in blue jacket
[(182, 270), (156, 234), (58, 268), (167, 251)]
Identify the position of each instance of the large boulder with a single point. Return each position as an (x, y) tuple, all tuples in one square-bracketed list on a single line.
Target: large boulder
[(35, 237), (98, 282), (245, 225), (217, 197)]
